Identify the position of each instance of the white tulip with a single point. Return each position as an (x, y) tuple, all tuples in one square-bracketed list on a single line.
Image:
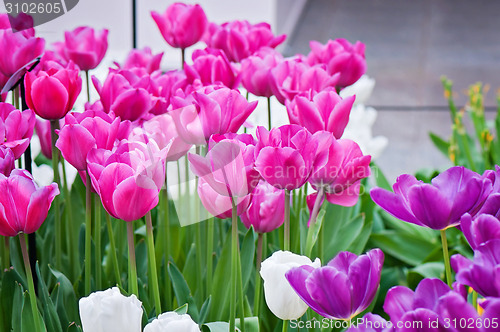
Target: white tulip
[(172, 322), (362, 89), (280, 297), (110, 311)]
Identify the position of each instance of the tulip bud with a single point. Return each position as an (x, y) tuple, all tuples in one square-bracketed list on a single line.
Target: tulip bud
[(172, 321)]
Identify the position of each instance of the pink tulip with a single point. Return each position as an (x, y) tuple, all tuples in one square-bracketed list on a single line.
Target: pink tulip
[(161, 129), (181, 25), (219, 205), (85, 47), (324, 110), (169, 83), (16, 128), (81, 134), (240, 39), (217, 112), (212, 66), (7, 160), (52, 93), (18, 48), (142, 59), (21, 23), (340, 178), (256, 71), (126, 94), (286, 156), (266, 211), (24, 205), (129, 179), (340, 57), (293, 76)]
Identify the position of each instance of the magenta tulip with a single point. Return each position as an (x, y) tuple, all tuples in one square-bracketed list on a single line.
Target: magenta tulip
[(142, 59), (133, 173), (24, 205), (7, 160), (324, 110), (211, 66), (480, 229), (340, 57), (83, 132), (219, 205), (162, 130), (240, 39), (256, 71), (340, 178), (181, 25), (16, 128), (286, 156), (85, 47), (217, 112), (293, 76), (266, 211), (52, 93)]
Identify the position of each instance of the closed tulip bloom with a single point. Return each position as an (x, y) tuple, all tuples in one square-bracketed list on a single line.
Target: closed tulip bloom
[(293, 76), (340, 178), (219, 205), (85, 47), (340, 57), (182, 25), (256, 71), (482, 273), (266, 211), (283, 302), (211, 66), (359, 275), (217, 112), (19, 49), (133, 173), (323, 110), (51, 94), (171, 82), (172, 321), (240, 39), (286, 156), (449, 196), (7, 160), (110, 311), (142, 59), (79, 135), (24, 205), (16, 128)]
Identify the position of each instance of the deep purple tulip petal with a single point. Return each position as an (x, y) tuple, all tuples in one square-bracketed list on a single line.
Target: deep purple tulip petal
[(418, 321), (429, 206), (453, 307), (398, 301), (428, 293), (393, 204)]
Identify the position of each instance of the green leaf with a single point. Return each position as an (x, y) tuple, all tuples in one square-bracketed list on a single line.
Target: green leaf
[(216, 327), (205, 309), (426, 270), (251, 324), (312, 234), (183, 309), (380, 179), (440, 144), (182, 291), (247, 256), (220, 288), (345, 237), (65, 299), (49, 310), (10, 280)]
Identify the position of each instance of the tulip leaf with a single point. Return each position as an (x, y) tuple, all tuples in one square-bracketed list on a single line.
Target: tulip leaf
[(345, 237), (426, 270), (442, 145), (17, 304), (251, 324), (49, 311), (359, 243), (182, 291), (312, 233), (10, 279), (220, 288), (65, 299), (380, 179), (205, 309), (247, 256), (216, 327), (183, 309)]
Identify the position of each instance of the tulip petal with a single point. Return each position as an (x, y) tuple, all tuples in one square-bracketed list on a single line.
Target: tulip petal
[(134, 197), (50, 98), (283, 168), (430, 206), (398, 301), (38, 207), (393, 204)]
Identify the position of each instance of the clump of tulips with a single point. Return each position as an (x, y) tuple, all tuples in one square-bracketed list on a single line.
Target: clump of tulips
[(148, 237)]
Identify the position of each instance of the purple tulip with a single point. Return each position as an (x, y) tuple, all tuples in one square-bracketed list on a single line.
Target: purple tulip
[(240, 39), (266, 211), (324, 110), (340, 57), (286, 156), (358, 275), (134, 172), (85, 47), (16, 128), (480, 229), (211, 66), (483, 272), (256, 71), (24, 205), (371, 323), (7, 160), (439, 205), (181, 25)]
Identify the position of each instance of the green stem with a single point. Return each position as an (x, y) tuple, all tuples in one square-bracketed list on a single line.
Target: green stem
[(234, 268), (286, 245), (187, 195), (474, 299), (166, 243), (70, 236), (446, 256), (54, 125), (88, 85), (6, 253), (199, 251), (31, 285), (88, 234), (112, 251), (210, 249), (97, 242), (269, 113), (285, 326), (152, 259), (258, 280), (241, 294), (133, 288)]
